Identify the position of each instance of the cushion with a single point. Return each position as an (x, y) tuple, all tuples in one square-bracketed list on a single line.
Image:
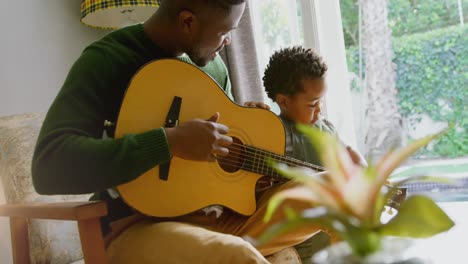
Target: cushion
[(50, 241)]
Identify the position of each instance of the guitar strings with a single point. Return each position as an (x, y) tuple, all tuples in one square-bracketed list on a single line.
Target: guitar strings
[(269, 170), (245, 151), (245, 154), (282, 159), (264, 169), (260, 167)]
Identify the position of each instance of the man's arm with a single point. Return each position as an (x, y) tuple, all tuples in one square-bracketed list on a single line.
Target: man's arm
[(70, 156)]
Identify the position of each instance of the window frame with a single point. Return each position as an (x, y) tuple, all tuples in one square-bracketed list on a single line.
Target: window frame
[(324, 35)]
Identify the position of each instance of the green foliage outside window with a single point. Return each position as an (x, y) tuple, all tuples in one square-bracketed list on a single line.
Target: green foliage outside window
[(432, 74), (405, 16), (275, 22), (413, 16)]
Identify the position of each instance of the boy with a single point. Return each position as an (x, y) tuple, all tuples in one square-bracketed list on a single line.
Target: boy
[(294, 79)]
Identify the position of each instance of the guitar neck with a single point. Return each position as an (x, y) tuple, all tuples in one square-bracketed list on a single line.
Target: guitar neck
[(258, 161)]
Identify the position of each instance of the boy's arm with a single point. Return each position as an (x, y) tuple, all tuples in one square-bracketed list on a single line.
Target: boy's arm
[(356, 157)]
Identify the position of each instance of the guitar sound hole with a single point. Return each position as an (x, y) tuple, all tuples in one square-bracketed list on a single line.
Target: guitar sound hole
[(234, 161)]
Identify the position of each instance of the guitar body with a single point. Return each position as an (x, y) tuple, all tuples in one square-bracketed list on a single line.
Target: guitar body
[(192, 185)]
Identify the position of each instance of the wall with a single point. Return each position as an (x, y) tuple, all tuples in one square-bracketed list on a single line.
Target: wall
[(39, 42)]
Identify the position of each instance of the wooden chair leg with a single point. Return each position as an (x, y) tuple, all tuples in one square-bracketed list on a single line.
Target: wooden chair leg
[(20, 240), (92, 242)]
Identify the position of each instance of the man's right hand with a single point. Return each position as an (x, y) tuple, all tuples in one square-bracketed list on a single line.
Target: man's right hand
[(199, 139)]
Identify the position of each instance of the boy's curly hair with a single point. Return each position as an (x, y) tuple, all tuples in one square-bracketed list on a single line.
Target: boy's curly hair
[(288, 67)]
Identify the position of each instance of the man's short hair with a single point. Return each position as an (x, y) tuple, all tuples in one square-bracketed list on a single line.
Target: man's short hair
[(222, 4), (287, 69)]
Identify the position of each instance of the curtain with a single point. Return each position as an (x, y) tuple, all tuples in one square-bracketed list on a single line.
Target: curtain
[(241, 59)]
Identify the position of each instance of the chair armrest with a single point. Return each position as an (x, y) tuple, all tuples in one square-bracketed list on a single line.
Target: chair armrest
[(87, 215), (57, 211)]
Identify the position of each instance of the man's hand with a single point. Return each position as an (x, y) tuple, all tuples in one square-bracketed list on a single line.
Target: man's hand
[(257, 105), (199, 139)]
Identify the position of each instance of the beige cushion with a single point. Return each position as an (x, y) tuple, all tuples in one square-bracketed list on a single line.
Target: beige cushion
[(50, 241)]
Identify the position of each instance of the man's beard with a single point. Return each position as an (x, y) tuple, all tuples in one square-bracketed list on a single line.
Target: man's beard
[(196, 58), (199, 61)]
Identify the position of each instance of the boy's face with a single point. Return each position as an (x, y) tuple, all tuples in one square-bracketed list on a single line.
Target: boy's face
[(304, 107)]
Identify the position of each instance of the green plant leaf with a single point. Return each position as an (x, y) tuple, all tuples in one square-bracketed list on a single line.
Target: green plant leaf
[(393, 159), (359, 194), (418, 217), (299, 193), (318, 216), (425, 179), (289, 225), (326, 194), (301, 174), (363, 242), (332, 154)]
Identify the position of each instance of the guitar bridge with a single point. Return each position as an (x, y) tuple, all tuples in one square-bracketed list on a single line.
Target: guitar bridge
[(172, 120)]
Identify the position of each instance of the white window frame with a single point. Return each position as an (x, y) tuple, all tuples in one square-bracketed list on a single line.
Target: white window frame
[(323, 31)]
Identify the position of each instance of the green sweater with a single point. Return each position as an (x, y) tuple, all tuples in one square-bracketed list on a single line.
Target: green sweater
[(71, 156)]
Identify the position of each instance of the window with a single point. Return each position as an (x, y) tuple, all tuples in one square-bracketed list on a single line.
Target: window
[(425, 47), (277, 24), (282, 23), (423, 44)]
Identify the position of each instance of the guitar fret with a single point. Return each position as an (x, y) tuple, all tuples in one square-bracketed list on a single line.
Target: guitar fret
[(259, 163), (255, 163), (264, 165)]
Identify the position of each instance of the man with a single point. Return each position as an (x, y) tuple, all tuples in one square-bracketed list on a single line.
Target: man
[(71, 157)]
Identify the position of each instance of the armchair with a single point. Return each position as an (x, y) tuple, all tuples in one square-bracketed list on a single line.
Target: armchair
[(40, 241), (36, 235), (85, 213)]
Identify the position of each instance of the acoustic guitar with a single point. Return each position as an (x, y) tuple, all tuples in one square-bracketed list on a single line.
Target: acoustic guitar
[(166, 92)]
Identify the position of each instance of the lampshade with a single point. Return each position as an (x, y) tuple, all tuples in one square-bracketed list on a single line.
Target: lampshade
[(112, 14)]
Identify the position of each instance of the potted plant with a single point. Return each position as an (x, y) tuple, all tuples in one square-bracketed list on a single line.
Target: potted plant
[(349, 200)]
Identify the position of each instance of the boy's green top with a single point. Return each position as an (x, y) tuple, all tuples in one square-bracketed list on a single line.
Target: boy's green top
[(298, 146), (71, 156)]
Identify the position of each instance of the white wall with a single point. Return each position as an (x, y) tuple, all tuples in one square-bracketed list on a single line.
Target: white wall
[(39, 41)]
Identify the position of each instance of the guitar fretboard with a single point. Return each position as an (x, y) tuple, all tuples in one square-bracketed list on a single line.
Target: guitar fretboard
[(257, 161)]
